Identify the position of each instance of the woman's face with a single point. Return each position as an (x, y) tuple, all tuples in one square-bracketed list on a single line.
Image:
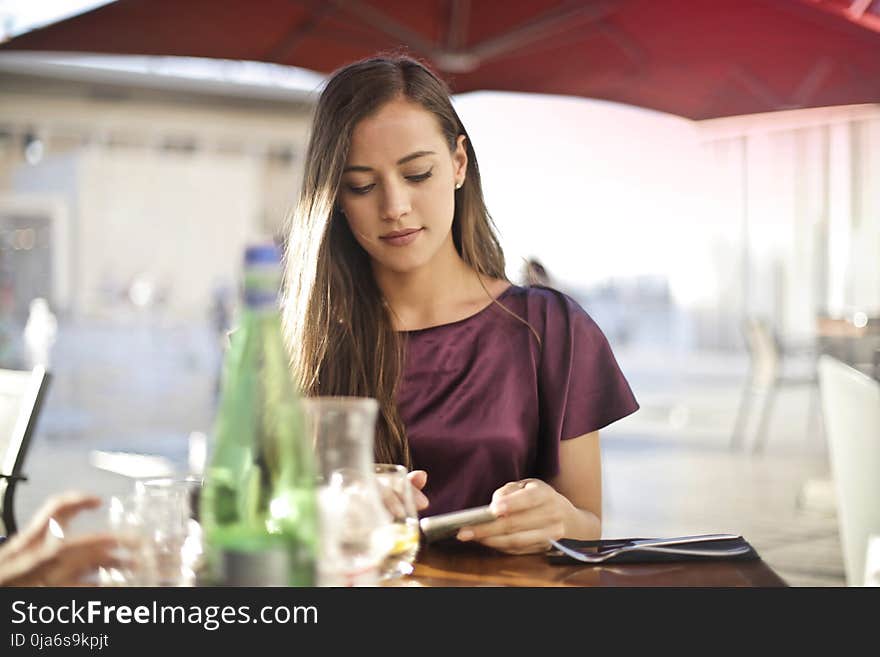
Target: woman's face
[(398, 186)]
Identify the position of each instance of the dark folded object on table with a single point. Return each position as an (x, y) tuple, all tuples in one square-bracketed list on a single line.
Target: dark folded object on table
[(705, 547)]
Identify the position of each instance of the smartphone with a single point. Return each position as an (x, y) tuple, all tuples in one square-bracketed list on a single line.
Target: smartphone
[(447, 524)]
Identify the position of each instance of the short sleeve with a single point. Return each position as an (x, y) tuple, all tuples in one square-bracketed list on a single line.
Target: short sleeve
[(581, 388)]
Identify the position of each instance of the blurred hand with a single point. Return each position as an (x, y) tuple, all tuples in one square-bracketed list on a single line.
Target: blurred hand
[(529, 514), (34, 557), (418, 479)]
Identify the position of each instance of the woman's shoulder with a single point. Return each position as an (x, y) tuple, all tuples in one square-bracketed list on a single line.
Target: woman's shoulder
[(545, 300), (553, 313)]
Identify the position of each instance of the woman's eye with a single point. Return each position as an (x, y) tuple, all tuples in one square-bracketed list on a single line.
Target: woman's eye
[(360, 190), (366, 189), (419, 177)]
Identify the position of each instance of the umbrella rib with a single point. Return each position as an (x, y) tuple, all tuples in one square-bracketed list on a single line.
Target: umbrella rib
[(550, 23), (757, 88), (280, 51), (459, 17), (628, 46), (859, 7), (754, 86), (813, 80), (382, 22), (817, 15), (857, 12)]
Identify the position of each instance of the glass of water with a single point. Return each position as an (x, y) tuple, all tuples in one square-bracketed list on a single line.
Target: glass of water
[(136, 550), (164, 507), (396, 493)]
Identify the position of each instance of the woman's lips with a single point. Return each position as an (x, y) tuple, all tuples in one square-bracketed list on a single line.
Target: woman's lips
[(401, 237)]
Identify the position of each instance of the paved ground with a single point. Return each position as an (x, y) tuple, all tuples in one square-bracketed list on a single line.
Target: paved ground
[(668, 468)]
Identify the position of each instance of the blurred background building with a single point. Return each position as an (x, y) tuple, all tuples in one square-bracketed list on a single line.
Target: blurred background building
[(119, 178)]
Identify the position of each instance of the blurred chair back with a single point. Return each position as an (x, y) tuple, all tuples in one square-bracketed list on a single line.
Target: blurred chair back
[(766, 376), (851, 406), (763, 352), (21, 397)]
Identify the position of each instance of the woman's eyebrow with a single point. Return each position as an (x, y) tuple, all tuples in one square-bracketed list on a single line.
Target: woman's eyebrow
[(403, 160)]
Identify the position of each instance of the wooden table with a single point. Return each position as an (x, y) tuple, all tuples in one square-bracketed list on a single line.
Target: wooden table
[(857, 346), (475, 565)]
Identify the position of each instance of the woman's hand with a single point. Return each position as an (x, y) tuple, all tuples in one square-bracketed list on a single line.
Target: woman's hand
[(530, 513), (418, 479)]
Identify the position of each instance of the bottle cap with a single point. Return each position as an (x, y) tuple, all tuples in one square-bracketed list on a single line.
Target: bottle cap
[(262, 275), (262, 254)]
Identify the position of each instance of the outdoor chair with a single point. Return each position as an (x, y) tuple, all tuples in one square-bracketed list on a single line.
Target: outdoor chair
[(767, 374), (21, 397), (851, 406)]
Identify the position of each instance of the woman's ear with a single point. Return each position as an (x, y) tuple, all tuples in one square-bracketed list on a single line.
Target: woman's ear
[(459, 161)]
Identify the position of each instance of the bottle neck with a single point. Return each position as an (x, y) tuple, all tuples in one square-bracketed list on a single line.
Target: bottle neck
[(261, 286)]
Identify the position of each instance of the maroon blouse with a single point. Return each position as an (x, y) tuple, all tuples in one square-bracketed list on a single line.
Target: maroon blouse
[(484, 404)]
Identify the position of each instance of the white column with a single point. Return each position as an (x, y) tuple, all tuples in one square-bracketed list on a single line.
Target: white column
[(839, 215)]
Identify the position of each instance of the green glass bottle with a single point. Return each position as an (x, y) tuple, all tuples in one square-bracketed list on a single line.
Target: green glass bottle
[(258, 505)]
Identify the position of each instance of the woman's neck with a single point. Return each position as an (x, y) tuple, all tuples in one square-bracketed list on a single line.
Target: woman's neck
[(445, 290)]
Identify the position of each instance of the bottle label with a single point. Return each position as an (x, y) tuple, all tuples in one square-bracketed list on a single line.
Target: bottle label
[(270, 567)]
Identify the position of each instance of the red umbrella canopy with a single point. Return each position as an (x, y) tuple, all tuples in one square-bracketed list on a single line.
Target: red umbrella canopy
[(699, 58)]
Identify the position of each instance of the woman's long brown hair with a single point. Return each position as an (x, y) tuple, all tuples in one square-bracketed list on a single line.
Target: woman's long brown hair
[(339, 330)]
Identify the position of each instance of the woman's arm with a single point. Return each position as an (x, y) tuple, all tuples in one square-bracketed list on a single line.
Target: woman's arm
[(580, 482), (532, 512)]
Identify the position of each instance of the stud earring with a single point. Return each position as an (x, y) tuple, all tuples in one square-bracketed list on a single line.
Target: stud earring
[(458, 185)]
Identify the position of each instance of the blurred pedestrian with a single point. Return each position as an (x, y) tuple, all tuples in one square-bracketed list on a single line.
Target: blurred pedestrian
[(40, 332), (534, 273)]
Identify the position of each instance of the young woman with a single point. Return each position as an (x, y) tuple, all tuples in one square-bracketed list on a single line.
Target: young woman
[(395, 289)]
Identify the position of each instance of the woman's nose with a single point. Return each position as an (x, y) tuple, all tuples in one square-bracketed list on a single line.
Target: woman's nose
[(395, 202)]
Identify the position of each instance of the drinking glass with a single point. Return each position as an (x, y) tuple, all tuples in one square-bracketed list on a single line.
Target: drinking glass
[(396, 493), (872, 561), (165, 508), (125, 521)]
